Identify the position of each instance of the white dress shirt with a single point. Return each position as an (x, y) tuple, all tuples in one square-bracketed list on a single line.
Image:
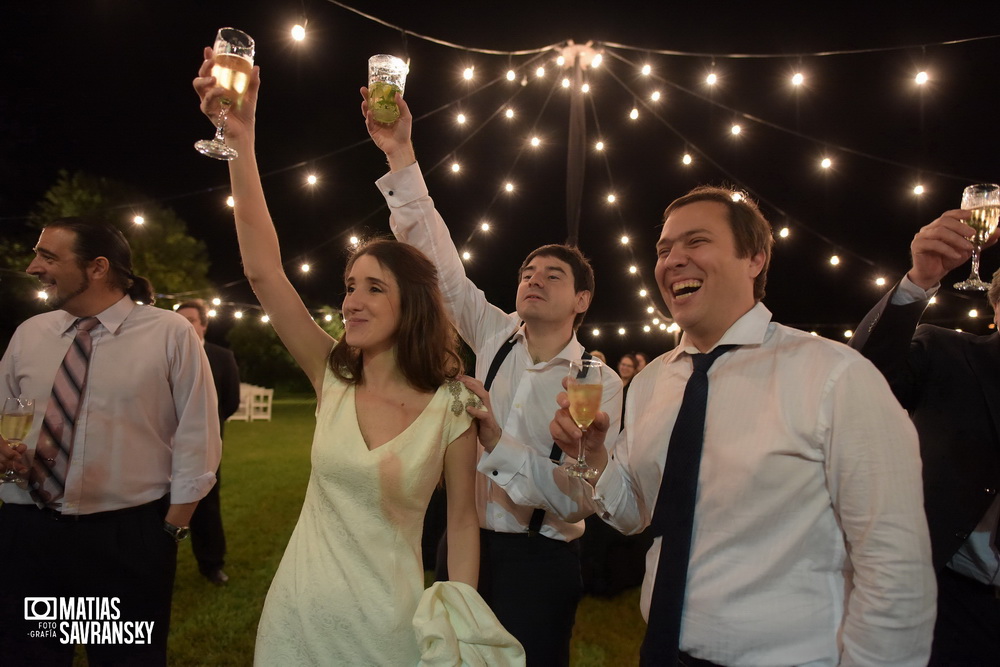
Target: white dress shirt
[(810, 545), (148, 421), (517, 475)]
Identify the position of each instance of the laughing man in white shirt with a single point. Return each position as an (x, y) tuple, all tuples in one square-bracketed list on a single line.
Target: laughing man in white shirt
[(809, 545)]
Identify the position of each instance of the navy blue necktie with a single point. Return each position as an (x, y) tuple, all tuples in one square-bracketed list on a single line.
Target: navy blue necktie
[(673, 517)]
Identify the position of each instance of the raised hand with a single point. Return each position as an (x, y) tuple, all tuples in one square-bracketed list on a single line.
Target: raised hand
[(240, 117), (393, 139)]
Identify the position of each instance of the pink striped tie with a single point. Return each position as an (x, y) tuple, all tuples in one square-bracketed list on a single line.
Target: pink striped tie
[(55, 442)]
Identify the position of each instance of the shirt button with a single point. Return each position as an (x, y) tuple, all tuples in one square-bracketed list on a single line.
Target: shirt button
[(391, 193), (498, 515), (495, 473)]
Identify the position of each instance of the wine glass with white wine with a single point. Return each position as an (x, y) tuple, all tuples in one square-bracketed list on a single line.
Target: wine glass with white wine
[(984, 203), (584, 388), (15, 423), (234, 51)]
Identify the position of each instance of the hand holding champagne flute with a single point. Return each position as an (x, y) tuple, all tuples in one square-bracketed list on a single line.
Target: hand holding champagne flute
[(232, 69), (584, 389), (15, 424)]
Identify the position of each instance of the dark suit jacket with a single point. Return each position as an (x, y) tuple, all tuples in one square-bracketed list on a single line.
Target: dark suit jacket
[(227, 380), (950, 383)]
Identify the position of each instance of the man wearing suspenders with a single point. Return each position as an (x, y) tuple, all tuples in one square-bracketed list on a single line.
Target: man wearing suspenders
[(530, 573)]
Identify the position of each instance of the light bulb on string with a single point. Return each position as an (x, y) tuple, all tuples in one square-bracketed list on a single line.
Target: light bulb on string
[(42, 294), (973, 313), (469, 73), (826, 163), (646, 328), (466, 255), (561, 61), (834, 260), (212, 312), (565, 83), (311, 179), (305, 268), (643, 293), (634, 114), (655, 96), (687, 159), (624, 240), (511, 75), (784, 232), (880, 281), (485, 226), (656, 321), (265, 319), (633, 269), (460, 119), (354, 240), (921, 78), (736, 129), (230, 202), (456, 167), (599, 146), (611, 198), (798, 79), (328, 317), (509, 113), (298, 32), (596, 62), (918, 190), (621, 331), (216, 301), (711, 79), (508, 187), (139, 220), (238, 314), (595, 332), (650, 310), (932, 301), (536, 142), (585, 88), (540, 72), (848, 333), (646, 70)]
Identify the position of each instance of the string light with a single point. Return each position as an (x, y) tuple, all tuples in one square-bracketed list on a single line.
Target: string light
[(813, 333), (311, 179), (565, 83), (643, 293), (540, 72), (848, 333), (298, 33), (328, 317), (834, 260), (466, 255), (784, 232), (655, 96), (139, 220), (624, 240), (305, 268), (711, 79), (735, 129), (536, 142), (798, 79), (595, 332), (918, 190), (826, 163), (656, 321), (673, 328), (509, 113), (621, 331), (354, 240), (596, 62), (880, 281), (238, 314), (511, 75), (921, 78), (633, 269), (212, 313), (599, 146), (932, 301), (646, 328), (736, 196), (469, 73), (485, 226), (509, 187), (561, 61), (611, 199), (461, 119), (456, 167), (216, 301), (650, 310), (43, 295), (634, 114), (973, 313), (646, 70), (585, 88), (230, 202), (265, 319), (687, 159)]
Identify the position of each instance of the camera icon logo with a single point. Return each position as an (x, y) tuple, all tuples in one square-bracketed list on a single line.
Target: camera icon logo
[(40, 609)]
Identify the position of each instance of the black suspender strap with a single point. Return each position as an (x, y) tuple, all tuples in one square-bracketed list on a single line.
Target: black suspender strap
[(497, 360)]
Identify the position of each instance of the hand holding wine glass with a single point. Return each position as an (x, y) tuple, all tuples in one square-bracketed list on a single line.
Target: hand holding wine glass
[(584, 388), (15, 424), (230, 63), (983, 202)]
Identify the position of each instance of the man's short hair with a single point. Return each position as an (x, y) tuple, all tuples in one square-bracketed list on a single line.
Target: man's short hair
[(751, 230), (583, 272), (198, 305)]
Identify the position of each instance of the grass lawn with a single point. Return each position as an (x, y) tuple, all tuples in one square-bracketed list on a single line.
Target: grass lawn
[(264, 471)]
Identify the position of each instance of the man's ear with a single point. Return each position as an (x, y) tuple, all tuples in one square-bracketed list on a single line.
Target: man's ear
[(99, 268), (582, 301)]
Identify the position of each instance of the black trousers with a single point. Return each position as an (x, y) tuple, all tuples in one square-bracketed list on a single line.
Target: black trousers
[(124, 554), (532, 584), (967, 632), (208, 540)]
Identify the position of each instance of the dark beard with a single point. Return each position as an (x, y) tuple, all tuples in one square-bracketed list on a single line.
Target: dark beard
[(59, 302)]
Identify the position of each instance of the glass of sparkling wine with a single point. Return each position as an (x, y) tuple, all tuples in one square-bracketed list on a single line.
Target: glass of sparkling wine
[(234, 51), (15, 423), (584, 388), (386, 77), (984, 202)]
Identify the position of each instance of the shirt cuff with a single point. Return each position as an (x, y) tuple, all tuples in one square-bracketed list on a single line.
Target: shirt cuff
[(191, 490), (910, 292), (402, 187), (609, 489), (507, 459)]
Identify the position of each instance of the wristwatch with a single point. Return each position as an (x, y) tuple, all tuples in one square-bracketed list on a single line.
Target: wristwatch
[(177, 532)]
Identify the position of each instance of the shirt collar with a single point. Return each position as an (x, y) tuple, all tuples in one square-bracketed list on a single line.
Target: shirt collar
[(750, 329), (572, 352), (111, 317)]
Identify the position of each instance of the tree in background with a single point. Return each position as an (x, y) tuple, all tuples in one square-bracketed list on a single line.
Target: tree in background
[(264, 361), (162, 250)]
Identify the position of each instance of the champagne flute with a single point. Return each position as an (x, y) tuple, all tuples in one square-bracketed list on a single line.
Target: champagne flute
[(15, 423), (234, 51), (584, 388), (984, 202)]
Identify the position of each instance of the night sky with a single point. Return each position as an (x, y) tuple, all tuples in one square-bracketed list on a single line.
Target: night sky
[(105, 87)]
